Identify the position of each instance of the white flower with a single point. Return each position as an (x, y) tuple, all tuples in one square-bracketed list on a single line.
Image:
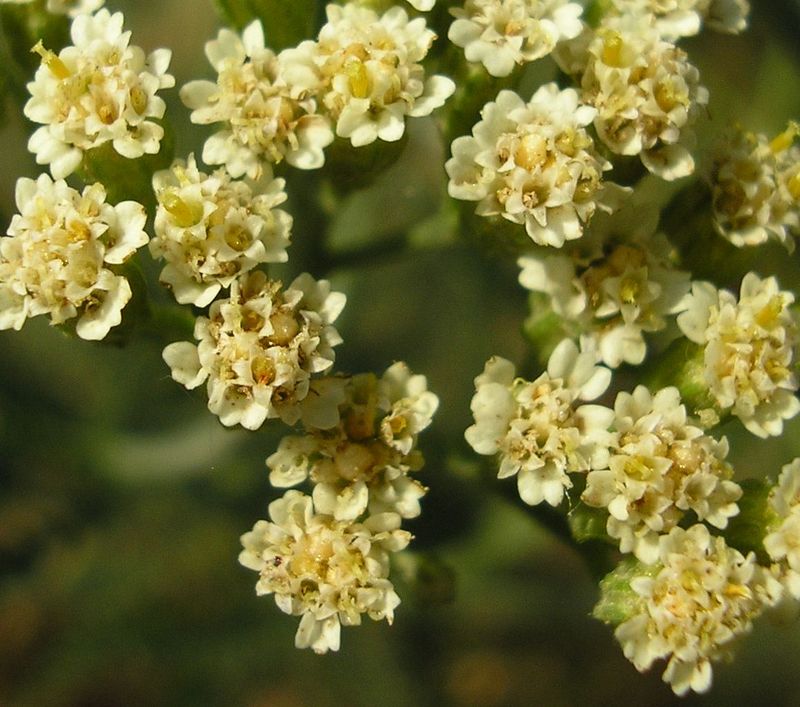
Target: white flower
[(328, 572), (73, 8), (55, 259), (613, 296), (100, 90), (748, 350), (535, 428), (422, 5), (264, 117), (660, 467), (783, 542), (684, 18), (259, 348), (534, 164), (699, 597), (503, 33), (366, 69), (364, 462), (756, 189), (210, 229), (646, 93)]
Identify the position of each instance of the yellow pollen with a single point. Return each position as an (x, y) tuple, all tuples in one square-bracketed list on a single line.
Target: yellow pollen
[(284, 328), (57, 67), (786, 138), (237, 238), (185, 215), (794, 186), (767, 316), (628, 290), (138, 99), (531, 151), (612, 49), (358, 79)]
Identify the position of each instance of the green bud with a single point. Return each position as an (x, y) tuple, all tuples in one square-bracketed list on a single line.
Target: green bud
[(756, 519), (618, 602)]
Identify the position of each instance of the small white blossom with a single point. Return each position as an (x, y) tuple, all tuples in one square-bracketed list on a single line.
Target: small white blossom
[(73, 8), (783, 542), (55, 259), (364, 462), (328, 572), (422, 5), (535, 428), (259, 348), (756, 189), (660, 468), (684, 18), (210, 229), (534, 164), (264, 118), (646, 93), (612, 296), (366, 69), (504, 33), (748, 350), (102, 89), (692, 605)]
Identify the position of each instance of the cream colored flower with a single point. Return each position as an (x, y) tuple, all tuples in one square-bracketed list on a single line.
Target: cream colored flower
[(328, 572), (210, 229), (749, 350), (259, 348), (56, 258), (502, 34), (364, 462), (646, 93), (534, 164), (536, 429), (684, 18), (102, 89), (612, 295), (366, 70), (660, 468), (264, 118), (73, 8), (691, 606), (782, 543), (756, 189)]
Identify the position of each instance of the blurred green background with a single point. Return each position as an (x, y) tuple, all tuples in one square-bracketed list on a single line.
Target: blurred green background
[(122, 498)]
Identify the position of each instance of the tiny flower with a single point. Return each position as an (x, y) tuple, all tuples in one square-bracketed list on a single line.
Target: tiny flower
[(782, 543), (646, 93), (259, 348), (612, 296), (535, 428), (748, 349), (56, 258), (101, 89), (660, 467), (364, 461), (210, 229), (504, 33), (684, 18), (326, 571), (691, 605), (264, 118), (366, 70), (756, 189), (534, 164)]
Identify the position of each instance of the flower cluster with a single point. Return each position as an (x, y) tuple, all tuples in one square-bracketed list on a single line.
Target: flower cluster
[(536, 428), (684, 18), (782, 543), (646, 92), (73, 8), (502, 34), (660, 467), (363, 463), (210, 229), (748, 350), (327, 571), (691, 605), (102, 89), (534, 164), (259, 348), (756, 189), (56, 258)]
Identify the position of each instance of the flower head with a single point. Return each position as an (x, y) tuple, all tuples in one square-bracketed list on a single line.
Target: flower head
[(534, 164), (749, 350), (102, 89), (57, 256), (210, 228), (259, 348), (328, 572), (504, 33), (782, 543), (684, 18), (264, 118), (535, 428)]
